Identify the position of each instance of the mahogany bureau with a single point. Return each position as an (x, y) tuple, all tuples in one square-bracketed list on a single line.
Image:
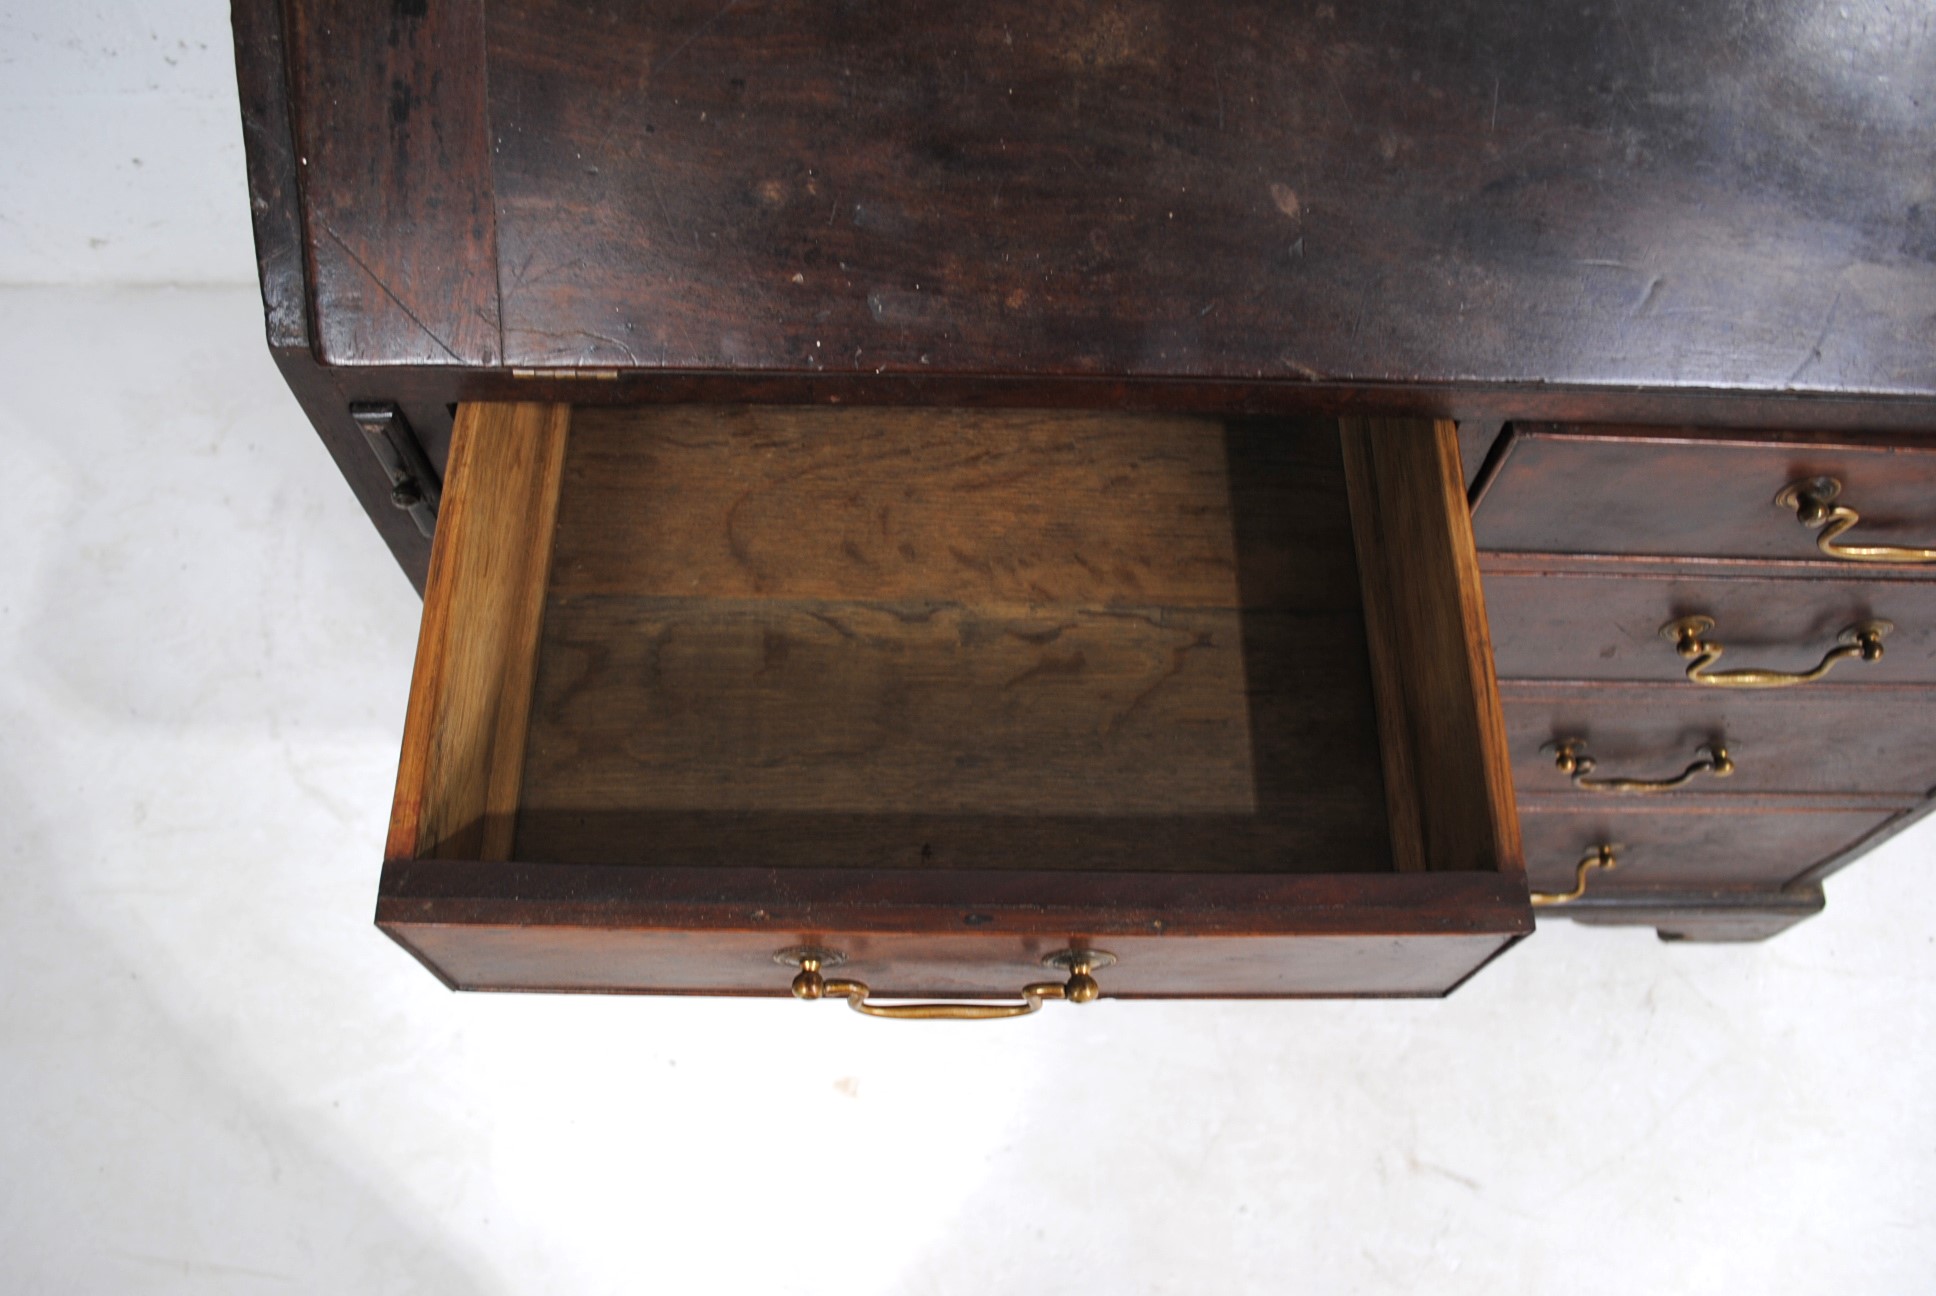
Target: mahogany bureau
[(923, 493), (1718, 659)]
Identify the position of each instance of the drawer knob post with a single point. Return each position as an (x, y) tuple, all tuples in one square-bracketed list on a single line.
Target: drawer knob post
[(1603, 856), (1689, 636), (1571, 759), (812, 983), (1815, 508)]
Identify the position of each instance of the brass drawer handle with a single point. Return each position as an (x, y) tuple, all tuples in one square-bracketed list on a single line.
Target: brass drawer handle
[(1080, 988), (1602, 856), (1570, 759), (1813, 502), (1863, 640)]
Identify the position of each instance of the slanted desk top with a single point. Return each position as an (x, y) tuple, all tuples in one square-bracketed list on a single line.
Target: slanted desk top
[(1651, 211)]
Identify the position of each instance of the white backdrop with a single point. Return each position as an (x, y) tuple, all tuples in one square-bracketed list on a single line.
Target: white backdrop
[(215, 1075)]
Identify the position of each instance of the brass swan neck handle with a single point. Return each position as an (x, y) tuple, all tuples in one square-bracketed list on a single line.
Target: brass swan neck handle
[(811, 983), (1571, 759), (1814, 503), (1862, 640), (1603, 856)]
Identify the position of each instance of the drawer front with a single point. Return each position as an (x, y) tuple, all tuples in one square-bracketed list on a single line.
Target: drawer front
[(1666, 848), (494, 926), (1877, 741), (1709, 495), (1606, 625), (947, 694)]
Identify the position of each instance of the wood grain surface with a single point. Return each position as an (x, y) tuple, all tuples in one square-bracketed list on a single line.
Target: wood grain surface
[(395, 160), (1665, 213), (1722, 915), (1689, 493), (1687, 844), (459, 777), (1667, 195), (275, 204), (954, 640), (1447, 780), (968, 934), (1690, 197), (1873, 740), (1598, 535), (1554, 620), (1015, 509)]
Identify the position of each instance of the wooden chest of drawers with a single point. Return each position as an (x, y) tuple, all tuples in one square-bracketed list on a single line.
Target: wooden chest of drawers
[(1601, 545), (1622, 277)]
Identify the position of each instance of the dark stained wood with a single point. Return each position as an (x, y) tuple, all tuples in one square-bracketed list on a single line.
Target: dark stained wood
[(972, 935), (321, 397), (1719, 916), (1685, 845), (1615, 524), (277, 217), (1675, 213), (1447, 780), (1909, 416), (1868, 739), (1666, 195), (463, 737), (1834, 864), (1672, 215), (395, 160), (954, 640), (1553, 622), (274, 197), (1700, 494)]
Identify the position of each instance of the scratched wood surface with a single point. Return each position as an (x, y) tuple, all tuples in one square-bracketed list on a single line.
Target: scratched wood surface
[(1645, 213), (1653, 195), (953, 640), (394, 140), (1656, 193)]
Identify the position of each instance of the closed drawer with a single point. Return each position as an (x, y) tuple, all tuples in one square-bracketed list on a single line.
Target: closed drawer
[(1581, 622), (945, 693), (1681, 493), (1876, 741), (1687, 846)]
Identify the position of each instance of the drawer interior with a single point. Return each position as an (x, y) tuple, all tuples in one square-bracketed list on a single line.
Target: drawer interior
[(945, 639), (700, 646)]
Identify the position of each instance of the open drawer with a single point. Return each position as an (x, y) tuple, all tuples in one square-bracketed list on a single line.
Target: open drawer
[(937, 696)]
